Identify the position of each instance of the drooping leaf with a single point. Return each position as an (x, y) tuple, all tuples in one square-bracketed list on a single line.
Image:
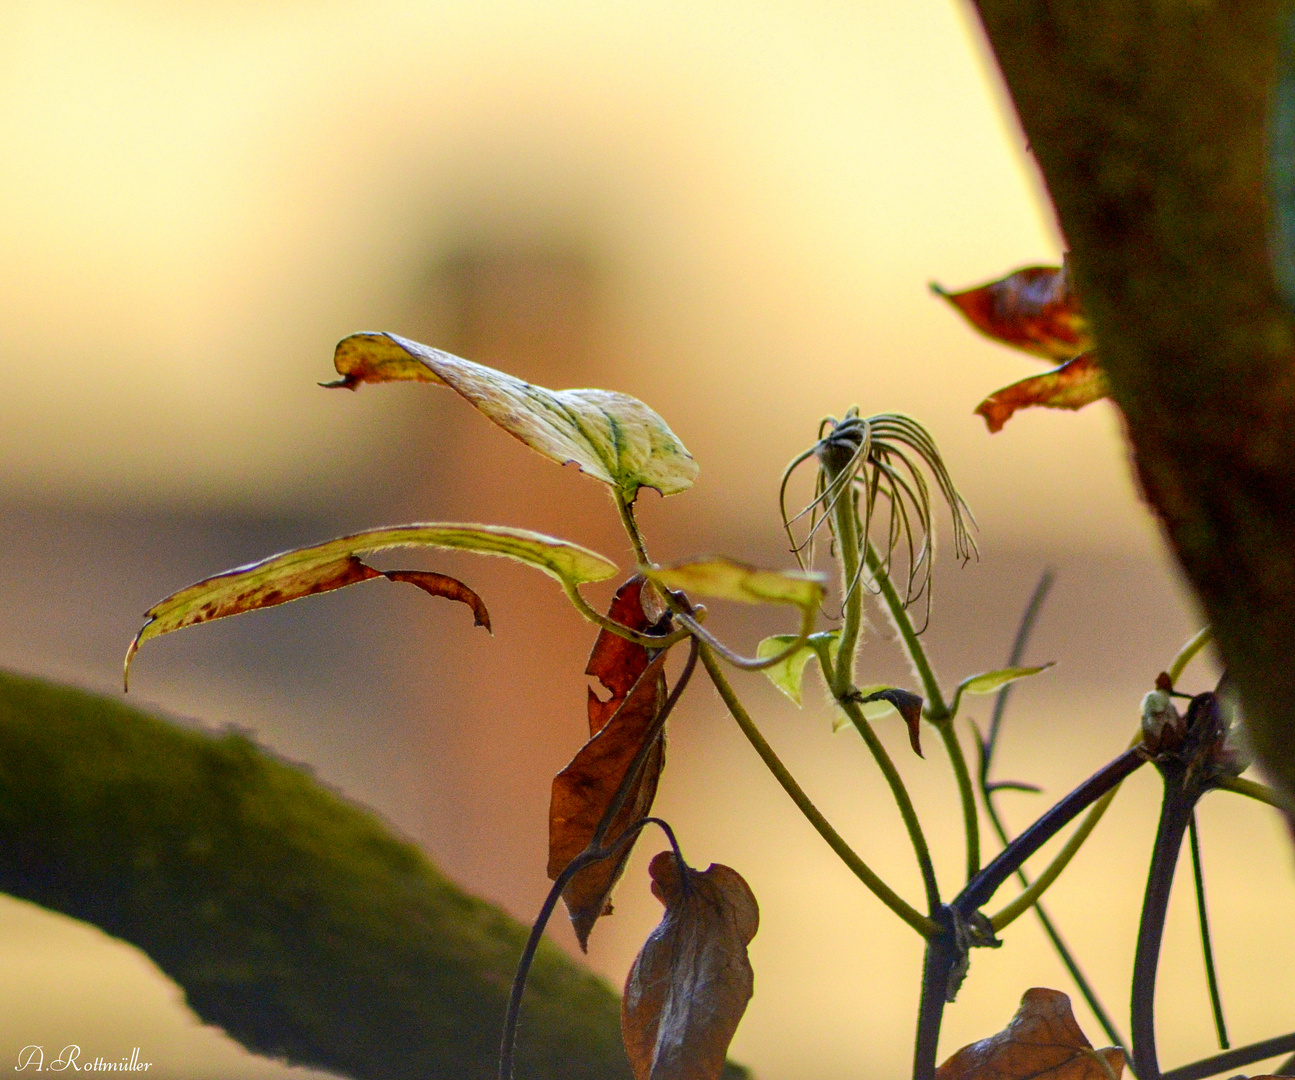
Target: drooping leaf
[(788, 674), (1073, 385), (443, 585), (909, 706), (1034, 309), (728, 579), (871, 709), (302, 572), (1042, 1042), (691, 982), (990, 681), (613, 437), (583, 791)]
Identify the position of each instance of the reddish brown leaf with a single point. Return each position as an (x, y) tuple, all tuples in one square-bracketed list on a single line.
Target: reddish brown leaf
[(691, 982), (909, 706), (1073, 385), (446, 586), (583, 791), (615, 662), (1034, 309), (1042, 1042)]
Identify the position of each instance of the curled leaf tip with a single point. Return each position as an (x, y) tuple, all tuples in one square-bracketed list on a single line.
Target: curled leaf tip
[(909, 706), (1073, 385)]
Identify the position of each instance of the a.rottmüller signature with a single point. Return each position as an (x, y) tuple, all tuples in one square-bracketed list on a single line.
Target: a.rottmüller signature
[(70, 1059)]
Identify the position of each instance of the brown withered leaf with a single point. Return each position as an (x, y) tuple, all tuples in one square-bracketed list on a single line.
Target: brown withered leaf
[(909, 706), (1042, 1042), (583, 791), (443, 585), (1073, 385), (691, 982), (1034, 309), (615, 662)]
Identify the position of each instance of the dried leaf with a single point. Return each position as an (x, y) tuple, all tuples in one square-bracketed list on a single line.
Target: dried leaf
[(872, 709), (909, 706), (1073, 385), (1042, 1042), (583, 791), (333, 565), (615, 662), (613, 437), (727, 579), (788, 675), (691, 982), (446, 586), (1034, 309)]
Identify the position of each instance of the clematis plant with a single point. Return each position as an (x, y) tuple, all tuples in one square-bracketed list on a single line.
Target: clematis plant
[(878, 483)]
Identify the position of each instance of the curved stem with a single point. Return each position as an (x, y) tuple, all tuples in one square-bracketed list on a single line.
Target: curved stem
[(970, 817), (1175, 813), (746, 663), (1187, 653), (626, 511), (900, 794), (919, 922), (1260, 792), (648, 641), (1234, 1059), (1031, 895)]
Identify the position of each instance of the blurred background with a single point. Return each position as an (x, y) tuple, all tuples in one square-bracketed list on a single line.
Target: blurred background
[(731, 210)]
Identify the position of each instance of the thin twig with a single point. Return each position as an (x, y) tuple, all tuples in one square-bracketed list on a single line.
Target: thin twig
[(1216, 1002), (1234, 1059)]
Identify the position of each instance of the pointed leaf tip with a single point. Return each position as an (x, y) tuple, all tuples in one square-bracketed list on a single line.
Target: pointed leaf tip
[(692, 980), (990, 681), (1073, 385), (1035, 309), (909, 706), (612, 437), (335, 564)]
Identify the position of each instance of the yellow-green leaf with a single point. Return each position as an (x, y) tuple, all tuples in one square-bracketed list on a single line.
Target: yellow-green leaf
[(726, 579), (613, 437), (788, 674), (335, 564), (990, 681)]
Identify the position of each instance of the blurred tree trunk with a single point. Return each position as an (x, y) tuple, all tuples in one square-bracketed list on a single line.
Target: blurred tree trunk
[(1150, 121)]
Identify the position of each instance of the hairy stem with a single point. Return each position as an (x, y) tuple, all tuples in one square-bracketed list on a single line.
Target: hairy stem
[(626, 511), (936, 711), (919, 922), (900, 794)]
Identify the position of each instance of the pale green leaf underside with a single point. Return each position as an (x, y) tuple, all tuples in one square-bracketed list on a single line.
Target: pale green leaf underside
[(872, 710), (788, 675), (612, 437), (322, 567), (994, 680), (726, 579)]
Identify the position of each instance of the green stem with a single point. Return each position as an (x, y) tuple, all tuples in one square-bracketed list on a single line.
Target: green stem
[(611, 626), (1260, 792), (919, 922), (1187, 653), (626, 511), (1039, 886), (966, 792), (905, 804), (936, 710), (846, 523), (746, 663)]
